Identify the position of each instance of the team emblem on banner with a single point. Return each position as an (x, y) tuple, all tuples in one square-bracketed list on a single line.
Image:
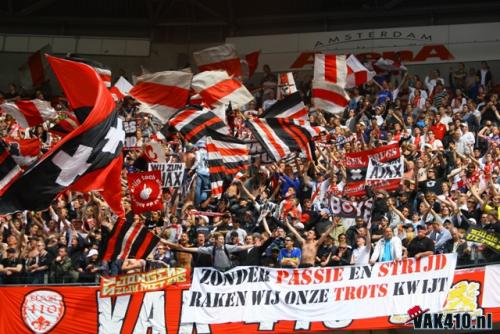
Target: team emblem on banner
[(42, 310), (145, 191)]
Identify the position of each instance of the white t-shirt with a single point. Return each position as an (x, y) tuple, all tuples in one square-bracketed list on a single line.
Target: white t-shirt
[(464, 143), (361, 255)]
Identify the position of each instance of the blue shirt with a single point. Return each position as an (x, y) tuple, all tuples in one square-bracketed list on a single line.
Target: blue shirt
[(387, 251), (383, 96), (293, 254), (289, 182)]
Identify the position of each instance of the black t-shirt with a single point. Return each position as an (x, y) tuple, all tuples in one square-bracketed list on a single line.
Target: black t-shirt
[(420, 245), (433, 186), (14, 278)]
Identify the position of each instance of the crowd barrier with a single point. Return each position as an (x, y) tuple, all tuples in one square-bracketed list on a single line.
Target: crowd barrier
[(80, 309)]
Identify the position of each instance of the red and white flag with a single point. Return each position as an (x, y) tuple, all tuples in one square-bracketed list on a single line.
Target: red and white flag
[(194, 98), (357, 73), (36, 70), (161, 94), (67, 123), (23, 151), (252, 61), (286, 85), (330, 68), (145, 191), (217, 88), (120, 89), (222, 57), (329, 97), (29, 113), (388, 65)]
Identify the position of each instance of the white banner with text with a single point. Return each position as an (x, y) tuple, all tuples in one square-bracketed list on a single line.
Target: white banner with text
[(255, 294)]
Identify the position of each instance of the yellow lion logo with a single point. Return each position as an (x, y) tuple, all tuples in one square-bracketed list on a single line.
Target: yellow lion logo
[(463, 297)]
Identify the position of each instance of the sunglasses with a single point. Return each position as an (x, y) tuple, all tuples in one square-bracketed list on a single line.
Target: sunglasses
[(288, 239)]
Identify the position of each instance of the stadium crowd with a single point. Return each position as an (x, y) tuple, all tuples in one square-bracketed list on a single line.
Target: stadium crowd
[(272, 215)]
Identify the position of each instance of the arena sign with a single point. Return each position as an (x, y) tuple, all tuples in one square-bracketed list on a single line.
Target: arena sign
[(411, 45), (71, 309)]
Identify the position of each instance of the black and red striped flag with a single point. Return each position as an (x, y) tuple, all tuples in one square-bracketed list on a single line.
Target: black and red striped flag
[(193, 121), (281, 137), (291, 107), (226, 157), (129, 239)]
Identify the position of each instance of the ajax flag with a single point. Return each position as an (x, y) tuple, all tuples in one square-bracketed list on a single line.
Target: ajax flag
[(392, 169)]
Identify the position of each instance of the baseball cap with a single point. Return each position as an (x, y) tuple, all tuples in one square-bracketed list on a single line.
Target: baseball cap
[(299, 226), (92, 252)]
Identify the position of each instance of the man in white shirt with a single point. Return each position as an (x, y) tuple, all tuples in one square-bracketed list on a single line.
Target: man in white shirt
[(466, 142), (389, 248), (431, 81)]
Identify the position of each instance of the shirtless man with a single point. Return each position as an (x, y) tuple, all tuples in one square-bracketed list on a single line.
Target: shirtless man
[(183, 259), (309, 245)]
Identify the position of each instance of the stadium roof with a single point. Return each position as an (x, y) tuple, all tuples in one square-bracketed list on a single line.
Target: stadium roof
[(191, 21)]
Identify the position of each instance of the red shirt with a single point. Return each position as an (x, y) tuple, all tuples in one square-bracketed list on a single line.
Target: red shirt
[(439, 130)]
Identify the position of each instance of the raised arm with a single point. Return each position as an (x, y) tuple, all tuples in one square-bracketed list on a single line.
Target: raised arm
[(325, 234), (476, 195), (295, 233), (396, 211), (179, 247), (266, 225), (244, 189)]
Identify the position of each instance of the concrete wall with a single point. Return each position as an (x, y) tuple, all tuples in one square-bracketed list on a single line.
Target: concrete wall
[(162, 57)]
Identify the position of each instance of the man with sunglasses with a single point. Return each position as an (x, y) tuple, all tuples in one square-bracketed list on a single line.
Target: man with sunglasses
[(289, 256)]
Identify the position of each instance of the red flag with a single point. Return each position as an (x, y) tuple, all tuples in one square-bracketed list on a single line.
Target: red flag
[(252, 60), (35, 71), (88, 158), (145, 191)]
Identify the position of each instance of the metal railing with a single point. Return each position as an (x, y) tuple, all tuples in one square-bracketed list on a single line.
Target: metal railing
[(96, 283)]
